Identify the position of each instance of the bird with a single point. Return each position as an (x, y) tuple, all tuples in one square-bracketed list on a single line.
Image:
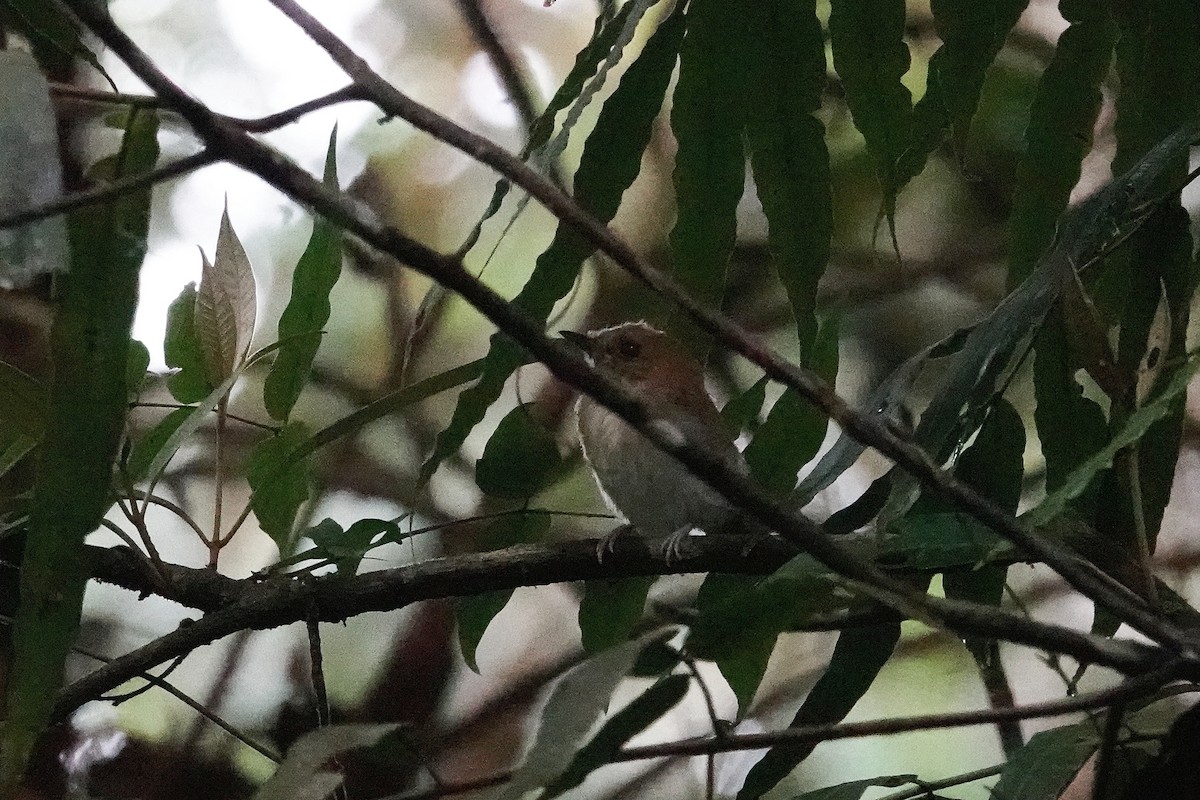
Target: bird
[(654, 493)]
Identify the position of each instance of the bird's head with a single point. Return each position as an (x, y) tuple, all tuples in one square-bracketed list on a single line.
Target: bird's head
[(642, 357)]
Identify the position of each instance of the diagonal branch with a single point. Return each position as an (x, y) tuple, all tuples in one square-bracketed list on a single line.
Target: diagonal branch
[(865, 428), (256, 157)]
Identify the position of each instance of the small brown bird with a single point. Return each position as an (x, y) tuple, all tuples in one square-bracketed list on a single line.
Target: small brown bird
[(654, 492)]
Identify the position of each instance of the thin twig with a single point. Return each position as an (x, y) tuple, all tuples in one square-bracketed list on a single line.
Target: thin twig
[(1127, 690), (506, 66), (925, 788), (109, 191), (244, 420)]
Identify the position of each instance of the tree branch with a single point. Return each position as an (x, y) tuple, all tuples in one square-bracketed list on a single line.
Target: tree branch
[(564, 362)]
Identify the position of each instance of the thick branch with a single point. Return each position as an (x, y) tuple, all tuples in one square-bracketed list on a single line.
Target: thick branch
[(866, 428), (277, 170)]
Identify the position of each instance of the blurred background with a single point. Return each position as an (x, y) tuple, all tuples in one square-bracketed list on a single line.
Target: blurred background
[(244, 59)]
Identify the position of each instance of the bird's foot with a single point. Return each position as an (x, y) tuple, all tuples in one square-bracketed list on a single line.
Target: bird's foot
[(672, 547), (608, 542), (756, 538)]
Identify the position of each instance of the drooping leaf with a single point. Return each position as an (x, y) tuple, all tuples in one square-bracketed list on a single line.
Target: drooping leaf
[(474, 613), (520, 458), (708, 112), (939, 540), (308, 306), (789, 159), (181, 347), (871, 57), (646, 709), (575, 704), (610, 610), (1136, 426), (49, 26), (610, 161), (1044, 766), (304, 774), (88, 403), (972, 33), (794, 429), (603, 52), (1060, 131), (853, 790), (858, 657), (226, 305), (189, 423), (279, 484)]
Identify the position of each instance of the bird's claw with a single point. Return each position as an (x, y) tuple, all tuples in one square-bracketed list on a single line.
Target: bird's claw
[(672, 548), (608, 542)]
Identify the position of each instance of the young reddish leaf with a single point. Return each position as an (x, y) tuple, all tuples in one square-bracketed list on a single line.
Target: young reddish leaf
[(226, 305)]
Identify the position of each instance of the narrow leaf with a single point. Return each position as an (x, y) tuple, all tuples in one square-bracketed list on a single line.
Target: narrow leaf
[(646, 709), (871, 57), (308, 306), (1060, 131), (972, 32), (575, 704), (610, 161), (146, 450), (858, 657), (853, 790), (50, 26), (741, 412), (786, 79), (708, 117)]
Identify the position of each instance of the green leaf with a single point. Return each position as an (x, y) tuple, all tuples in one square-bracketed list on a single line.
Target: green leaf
[(85, 419), (346, 548), (304, 774), (181, 348), (280, 485), (520, 459), (939, 540), (574, 705), (135, 367), (308, 306), (1070, 426), (871, 57), (188, 426), (610, 610), (794, 429), (857, 659), (1044, 766), (994, 464), (646, 709), (50, 26), (474, 613), (786, 79), (1060, 131), (225, 306), (739, 618), (147, 449), (853, 790), (1135, 427), (972, 33), (610, 161), (741, 413), (708, 115)]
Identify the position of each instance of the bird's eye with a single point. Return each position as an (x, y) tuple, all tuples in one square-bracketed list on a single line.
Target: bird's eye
[(628, 348)]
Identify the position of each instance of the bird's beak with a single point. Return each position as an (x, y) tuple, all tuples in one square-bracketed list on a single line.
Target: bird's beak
[(579, 340)]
